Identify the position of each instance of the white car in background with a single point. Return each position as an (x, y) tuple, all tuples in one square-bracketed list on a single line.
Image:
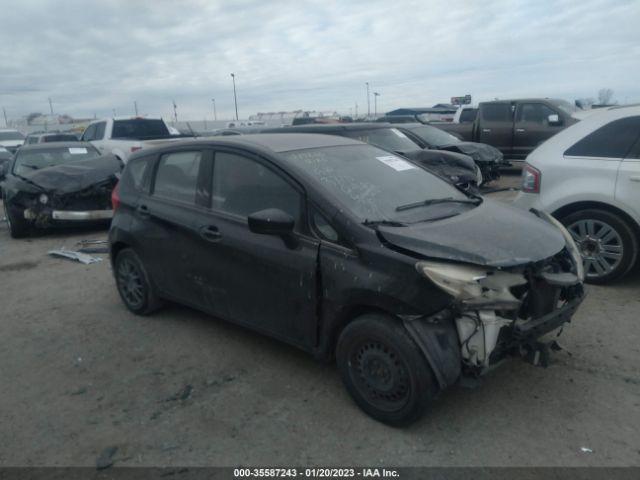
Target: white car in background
[(588, 176), (11, 139)]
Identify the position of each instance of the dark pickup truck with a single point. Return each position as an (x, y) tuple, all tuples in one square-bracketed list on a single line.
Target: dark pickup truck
[(515, 127)]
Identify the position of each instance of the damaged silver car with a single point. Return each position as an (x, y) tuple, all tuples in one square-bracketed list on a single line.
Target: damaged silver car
[(57, 184)]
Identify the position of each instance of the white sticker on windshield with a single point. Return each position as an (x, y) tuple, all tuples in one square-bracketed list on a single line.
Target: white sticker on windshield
[(396, 163), (398, 133), (77, 151)]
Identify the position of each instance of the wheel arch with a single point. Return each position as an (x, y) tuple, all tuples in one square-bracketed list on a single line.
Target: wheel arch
[(577, 206)]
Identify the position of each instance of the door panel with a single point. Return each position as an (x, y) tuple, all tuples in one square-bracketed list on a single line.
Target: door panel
[(628, 185), (496, 126), (532, 127)]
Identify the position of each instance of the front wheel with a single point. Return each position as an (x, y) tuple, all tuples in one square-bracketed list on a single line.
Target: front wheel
[(606, 241), (384, 370), (18, 225)]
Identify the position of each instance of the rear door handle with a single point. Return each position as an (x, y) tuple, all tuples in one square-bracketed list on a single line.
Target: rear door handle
[(486, 130), (143, 210), (635, 178), (520, 130), (210, 233)]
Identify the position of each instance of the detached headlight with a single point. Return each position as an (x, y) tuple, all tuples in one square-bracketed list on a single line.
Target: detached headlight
[(474, 287), (571, 244), (43, 199)]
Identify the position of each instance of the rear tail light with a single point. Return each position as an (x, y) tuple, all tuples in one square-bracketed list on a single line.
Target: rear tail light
[(531, 178), (115, 197), (135, 149)]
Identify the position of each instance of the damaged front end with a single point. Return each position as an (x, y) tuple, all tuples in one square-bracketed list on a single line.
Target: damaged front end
[(498, 312)]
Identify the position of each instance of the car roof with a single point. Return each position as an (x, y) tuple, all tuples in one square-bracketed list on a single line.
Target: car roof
[(50, 145), (267, 142)]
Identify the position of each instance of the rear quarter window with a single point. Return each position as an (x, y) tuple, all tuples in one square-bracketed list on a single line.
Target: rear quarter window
[(136, 174), (613, 140)]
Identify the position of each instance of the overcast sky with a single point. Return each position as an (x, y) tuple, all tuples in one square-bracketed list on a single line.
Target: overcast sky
[(92, 57)]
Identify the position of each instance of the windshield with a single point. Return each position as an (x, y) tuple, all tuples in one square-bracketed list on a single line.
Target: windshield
[(11, 136), (372, 183), (387, 138), (139, 128), (30, 160), (434, 136)]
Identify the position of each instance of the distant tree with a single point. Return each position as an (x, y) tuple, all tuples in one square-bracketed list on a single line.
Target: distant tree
[(32, 116), (605, 95)]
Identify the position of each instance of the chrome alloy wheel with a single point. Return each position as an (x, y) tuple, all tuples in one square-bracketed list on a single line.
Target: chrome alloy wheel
[(600, 245)]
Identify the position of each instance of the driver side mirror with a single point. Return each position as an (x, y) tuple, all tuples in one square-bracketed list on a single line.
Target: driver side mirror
[(273, 221), (554, 119)]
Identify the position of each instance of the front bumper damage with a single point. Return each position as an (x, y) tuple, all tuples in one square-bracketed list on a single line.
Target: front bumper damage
[(508, 316), (64, 215)]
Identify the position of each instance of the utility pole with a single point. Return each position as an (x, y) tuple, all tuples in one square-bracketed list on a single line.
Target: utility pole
[(368, 101), (356, 109), (6, 122), (135, 107), (215, 115), (175, 111), (235, 98), (114, 111), (375, 103), (51, 106)]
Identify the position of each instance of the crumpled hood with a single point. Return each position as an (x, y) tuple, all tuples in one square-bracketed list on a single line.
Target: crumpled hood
[(480, 152), (492, 234), (74, 176), (449, 164)]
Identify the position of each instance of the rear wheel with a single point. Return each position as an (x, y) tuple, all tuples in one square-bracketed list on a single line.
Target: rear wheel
[(606, 241), (18, 226), (384, 370), (134, 286)]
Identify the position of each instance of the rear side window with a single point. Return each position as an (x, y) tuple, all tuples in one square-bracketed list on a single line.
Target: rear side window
[(135, 173), (496, 112), (242, 186), (177, 176), (613, 140), (139, 128)]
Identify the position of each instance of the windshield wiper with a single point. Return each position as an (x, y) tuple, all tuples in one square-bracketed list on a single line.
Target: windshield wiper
[(33, 167), (434, 201), (386, 223)]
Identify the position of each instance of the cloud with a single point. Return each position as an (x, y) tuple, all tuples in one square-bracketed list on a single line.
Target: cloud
[(91, 57)]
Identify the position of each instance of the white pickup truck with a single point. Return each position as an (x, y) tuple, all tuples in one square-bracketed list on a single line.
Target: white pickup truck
[(121, 136)]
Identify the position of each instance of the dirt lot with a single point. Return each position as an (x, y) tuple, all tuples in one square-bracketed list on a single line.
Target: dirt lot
[(80, 374)]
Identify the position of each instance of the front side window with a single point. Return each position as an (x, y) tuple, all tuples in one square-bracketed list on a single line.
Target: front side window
[(89, 133), (11, 135), (242, 186), (99, 135), (613, 140), (139, 129), (496, 112), (177, 176), (534, 113)]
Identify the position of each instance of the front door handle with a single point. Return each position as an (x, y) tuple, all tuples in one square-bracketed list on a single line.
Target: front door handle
[(486, 130), (520, 130), (635, 178), (210, 233)]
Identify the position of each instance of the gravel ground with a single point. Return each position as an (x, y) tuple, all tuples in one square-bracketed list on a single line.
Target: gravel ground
[(80, 375)]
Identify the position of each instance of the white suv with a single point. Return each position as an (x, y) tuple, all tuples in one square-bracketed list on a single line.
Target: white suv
[(588, 176)]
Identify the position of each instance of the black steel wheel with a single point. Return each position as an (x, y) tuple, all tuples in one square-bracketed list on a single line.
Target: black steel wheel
[(384, 370), (133, 283)]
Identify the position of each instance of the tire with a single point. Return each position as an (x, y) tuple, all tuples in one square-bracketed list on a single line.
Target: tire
[(607, 242), (18, 226), (384, 370), (134, 285)]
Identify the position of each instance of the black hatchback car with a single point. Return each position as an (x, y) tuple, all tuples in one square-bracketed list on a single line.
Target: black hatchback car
[(346, 251)]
